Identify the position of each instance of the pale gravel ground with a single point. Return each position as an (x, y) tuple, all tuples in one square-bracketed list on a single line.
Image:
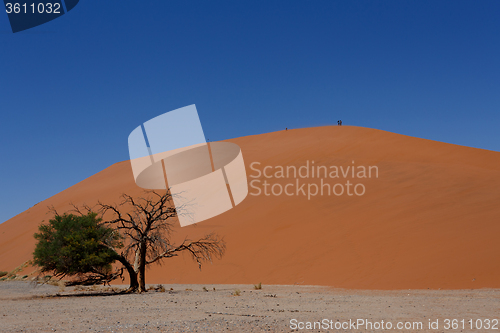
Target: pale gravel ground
[(22, 309)]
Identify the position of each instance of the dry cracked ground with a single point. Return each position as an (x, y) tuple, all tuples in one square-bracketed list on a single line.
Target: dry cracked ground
[(219, 308)]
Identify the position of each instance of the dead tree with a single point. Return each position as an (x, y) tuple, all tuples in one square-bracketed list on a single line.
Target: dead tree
[(146, 225)]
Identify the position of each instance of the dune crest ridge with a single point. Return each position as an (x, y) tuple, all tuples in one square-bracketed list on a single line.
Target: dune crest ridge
[(431, 218)]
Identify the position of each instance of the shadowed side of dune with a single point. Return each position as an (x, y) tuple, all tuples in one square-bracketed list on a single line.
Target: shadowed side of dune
[(428, 218)]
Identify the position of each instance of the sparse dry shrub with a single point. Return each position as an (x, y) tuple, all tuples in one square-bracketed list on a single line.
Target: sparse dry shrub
[(258, 286), (236, 292)]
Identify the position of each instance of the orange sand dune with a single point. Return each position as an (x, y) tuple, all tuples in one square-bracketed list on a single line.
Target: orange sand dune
[(430, 220)]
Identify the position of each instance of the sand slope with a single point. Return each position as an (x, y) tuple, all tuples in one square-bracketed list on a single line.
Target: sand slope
[(430, 220)]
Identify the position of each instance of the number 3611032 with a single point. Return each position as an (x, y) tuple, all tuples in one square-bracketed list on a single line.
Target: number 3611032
[(40, 8)]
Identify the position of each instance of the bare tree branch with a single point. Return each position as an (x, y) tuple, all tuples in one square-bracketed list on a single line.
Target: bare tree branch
[(147, 222)]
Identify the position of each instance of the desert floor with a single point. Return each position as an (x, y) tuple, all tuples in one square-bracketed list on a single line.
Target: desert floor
[(191, 308)]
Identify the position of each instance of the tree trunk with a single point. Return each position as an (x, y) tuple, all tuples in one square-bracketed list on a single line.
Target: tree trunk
[(134, 284), (136, 261), (142, 267)]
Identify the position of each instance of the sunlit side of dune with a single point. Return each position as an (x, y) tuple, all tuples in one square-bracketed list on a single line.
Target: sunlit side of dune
[(429, 218)]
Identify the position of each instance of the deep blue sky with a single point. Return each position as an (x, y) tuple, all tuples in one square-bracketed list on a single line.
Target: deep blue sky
[(73, 89)]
